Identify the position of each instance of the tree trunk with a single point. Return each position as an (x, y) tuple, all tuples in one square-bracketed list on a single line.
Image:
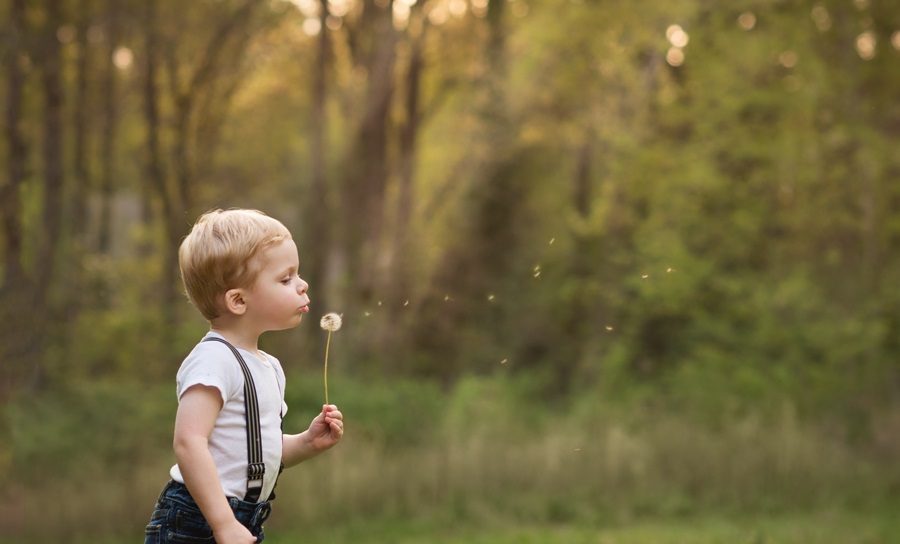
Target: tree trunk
[(400, 271), (486, 241), (578, 321), (10, 201), (51, 217), (81, 182), (318, 205), (13, 289), (110, 125), (365, 180)]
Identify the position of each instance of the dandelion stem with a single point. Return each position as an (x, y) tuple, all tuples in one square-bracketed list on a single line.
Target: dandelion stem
[(327, 344)]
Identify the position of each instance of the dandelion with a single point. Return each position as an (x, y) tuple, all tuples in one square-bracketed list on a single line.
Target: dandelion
[(331, 323)]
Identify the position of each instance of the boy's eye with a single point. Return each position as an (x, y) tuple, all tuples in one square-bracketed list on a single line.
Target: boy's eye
[(286, 281)]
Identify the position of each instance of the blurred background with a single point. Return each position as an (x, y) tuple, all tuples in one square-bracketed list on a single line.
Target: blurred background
[(609, 271)]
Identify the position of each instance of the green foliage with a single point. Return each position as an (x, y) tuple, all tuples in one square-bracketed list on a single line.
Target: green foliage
[(489, 450), (88, 428)]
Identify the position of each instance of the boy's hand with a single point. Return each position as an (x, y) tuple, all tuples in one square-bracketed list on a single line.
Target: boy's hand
[(327, 428), (234, 533)]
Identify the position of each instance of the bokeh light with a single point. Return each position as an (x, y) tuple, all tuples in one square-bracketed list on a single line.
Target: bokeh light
[(123, 57), (788, 59), (675, 56), (677, 36), (865, 45), (339, 8), (479, 7), (312, 26), (821, 17), (66, 34)]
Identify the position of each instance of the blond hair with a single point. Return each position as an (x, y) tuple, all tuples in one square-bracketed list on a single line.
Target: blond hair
[(217, 255)]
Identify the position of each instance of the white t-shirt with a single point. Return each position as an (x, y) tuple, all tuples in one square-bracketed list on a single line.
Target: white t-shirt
[(213, 364)]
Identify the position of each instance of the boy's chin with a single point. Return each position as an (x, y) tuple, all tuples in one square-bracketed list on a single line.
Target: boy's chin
[(289, 325)]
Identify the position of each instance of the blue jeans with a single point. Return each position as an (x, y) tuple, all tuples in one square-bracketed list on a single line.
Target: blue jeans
[(177, 518)]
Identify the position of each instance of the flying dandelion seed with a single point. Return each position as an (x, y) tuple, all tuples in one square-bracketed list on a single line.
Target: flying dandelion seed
[(552, 240), (504, 361), (367, 314), (490, 297), (670, 270), (608, 328), (537, 274), (577, 449), (446, 298), (406, 303), (379, 303), (331, 323), (645, 276)]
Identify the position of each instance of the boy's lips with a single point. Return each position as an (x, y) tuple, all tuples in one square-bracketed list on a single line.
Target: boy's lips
[(304, 309)]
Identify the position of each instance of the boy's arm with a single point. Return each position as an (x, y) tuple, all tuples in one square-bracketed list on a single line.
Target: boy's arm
[(325, 431), (197, 412)]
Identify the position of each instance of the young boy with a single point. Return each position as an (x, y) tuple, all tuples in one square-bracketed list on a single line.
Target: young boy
[(240, 269)]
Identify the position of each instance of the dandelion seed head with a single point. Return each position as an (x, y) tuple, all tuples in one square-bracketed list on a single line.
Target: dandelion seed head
[(331, 322)]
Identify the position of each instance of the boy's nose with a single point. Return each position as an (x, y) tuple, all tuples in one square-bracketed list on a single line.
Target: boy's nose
[(303, 287)]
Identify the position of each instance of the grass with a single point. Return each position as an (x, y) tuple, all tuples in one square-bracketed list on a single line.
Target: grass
[(827, 526), (821, 527), (476, 465)]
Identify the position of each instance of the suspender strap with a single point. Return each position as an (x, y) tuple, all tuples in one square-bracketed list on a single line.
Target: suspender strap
[(256, 468)]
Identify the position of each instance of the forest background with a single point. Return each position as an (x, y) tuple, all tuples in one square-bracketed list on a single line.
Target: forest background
[(624, 269)]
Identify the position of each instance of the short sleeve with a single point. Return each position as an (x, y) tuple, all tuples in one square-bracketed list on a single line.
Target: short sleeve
[(210, 364)]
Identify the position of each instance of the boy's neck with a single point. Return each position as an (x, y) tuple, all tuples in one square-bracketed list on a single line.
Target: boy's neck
[(236, 334)]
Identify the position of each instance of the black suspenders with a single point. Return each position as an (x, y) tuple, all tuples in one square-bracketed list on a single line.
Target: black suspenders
[(256, 468)]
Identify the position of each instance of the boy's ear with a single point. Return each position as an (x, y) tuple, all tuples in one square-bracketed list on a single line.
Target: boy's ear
[(234, 301)]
